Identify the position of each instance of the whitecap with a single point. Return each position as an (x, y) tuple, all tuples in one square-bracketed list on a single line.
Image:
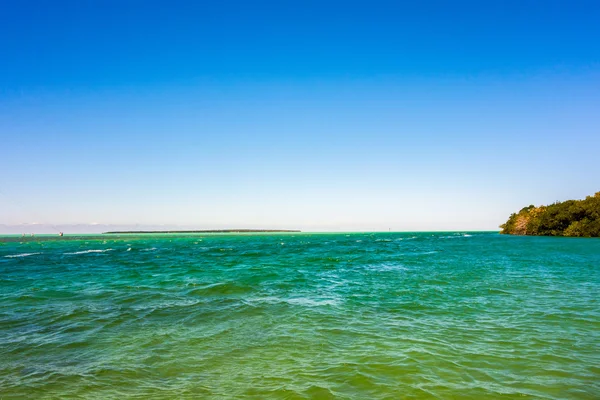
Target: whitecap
[(149, 249), (21, 255), (456, 236), (88, 251), (422, 253), (405, 238), (386, 267)]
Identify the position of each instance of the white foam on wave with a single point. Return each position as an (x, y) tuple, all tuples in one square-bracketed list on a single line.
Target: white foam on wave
[(421, 253), (386, 267), (456, 236), (88, 251), (21, 255), (149, 249), (405, 238)]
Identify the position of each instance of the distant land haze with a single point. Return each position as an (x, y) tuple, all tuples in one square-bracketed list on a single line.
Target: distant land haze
[(205, 231), (93, 228), (69, 229), (131, 235)]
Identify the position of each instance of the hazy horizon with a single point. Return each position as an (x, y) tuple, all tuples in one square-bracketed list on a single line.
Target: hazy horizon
[(28, 228)]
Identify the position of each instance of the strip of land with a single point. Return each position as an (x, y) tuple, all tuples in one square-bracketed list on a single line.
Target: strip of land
[(205, 231), (130, 235)]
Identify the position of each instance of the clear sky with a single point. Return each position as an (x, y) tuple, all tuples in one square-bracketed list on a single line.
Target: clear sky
[(317, 115)]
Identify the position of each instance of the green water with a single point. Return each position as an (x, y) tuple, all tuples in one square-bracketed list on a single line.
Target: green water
[(301, 316)]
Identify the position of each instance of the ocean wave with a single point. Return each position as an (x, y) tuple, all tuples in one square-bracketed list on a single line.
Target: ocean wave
[(420, 253), (405, 238), (456, 236), (386, 267), (87, 252), (297, 301), (149, 249), (221, 289), (21, 255), (303, 301)]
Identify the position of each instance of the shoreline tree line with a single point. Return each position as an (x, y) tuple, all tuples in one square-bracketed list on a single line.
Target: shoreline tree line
[(578, 218)]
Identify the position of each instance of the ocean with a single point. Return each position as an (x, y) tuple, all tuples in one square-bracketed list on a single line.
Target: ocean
[(437, 315)]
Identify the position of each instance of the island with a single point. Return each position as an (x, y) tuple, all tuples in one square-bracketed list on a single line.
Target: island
[(578, 218), (129, 235), (205, 231)]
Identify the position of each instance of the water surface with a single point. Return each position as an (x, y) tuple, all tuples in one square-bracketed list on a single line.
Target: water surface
[(301, 316)]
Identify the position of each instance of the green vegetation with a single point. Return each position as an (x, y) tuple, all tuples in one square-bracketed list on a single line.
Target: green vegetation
[(569, 218)]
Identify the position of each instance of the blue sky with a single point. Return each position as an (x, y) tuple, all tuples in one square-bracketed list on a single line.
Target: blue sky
[(311, 115)]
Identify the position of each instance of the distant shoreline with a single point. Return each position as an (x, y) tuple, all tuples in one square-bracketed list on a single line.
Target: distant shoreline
[(128, 235), (205, 231)]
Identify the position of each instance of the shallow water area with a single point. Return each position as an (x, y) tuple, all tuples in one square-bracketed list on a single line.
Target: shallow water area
[(467, 315)]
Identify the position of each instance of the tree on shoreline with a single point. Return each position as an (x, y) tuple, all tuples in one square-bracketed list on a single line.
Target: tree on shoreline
[(579, 218)]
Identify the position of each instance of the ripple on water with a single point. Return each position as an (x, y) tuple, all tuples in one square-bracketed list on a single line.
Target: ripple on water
[(351, 316)]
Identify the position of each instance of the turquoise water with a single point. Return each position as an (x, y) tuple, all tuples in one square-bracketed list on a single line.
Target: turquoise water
[(301, 316)]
